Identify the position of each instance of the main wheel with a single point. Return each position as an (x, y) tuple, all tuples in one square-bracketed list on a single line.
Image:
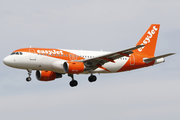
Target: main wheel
[(92, 78), (73, 83), (28, 79)]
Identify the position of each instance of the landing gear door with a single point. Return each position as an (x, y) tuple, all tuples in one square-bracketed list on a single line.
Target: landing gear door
[(32, 54)]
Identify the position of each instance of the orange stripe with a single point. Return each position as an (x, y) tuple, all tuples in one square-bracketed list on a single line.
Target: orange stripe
[(55, 53)]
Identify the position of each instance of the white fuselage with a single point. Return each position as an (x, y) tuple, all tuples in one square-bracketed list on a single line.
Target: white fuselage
[(44, 62)]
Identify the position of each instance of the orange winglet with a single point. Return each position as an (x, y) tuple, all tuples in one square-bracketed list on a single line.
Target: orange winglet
[(124, 54), (108, 59), (100, 66)]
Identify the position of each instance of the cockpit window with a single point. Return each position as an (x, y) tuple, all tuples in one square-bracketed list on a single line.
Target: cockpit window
[(13, 53), (16, 53)]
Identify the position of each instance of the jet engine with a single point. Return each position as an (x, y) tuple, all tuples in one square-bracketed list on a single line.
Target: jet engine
[(58, 66), (47, 75), (73, 67)]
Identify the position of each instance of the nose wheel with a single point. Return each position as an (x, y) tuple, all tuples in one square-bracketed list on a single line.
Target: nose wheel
[(28, 79), (29, 73)]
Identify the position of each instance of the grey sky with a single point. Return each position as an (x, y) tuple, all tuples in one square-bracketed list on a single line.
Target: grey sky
[(111, 25)]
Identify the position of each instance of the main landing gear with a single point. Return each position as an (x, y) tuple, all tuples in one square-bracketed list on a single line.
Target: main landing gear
[(92, 78), (29, 73), (73, 83)]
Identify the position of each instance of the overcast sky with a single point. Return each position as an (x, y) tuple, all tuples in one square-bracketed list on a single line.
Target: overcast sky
[(108, 25)]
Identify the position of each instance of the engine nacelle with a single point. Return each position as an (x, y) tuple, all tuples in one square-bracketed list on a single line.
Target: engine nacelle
[(47, 75), (58, 66), (73, 67)]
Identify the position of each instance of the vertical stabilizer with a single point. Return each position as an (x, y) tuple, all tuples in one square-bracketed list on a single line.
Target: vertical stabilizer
[(149, 39)]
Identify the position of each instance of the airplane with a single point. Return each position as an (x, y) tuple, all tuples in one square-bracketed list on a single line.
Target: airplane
[(54, 63)]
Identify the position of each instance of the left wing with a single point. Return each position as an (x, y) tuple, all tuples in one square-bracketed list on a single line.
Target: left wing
[(93, 63)]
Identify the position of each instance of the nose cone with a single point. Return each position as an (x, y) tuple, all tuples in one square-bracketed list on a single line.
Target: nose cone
[(7, 61)]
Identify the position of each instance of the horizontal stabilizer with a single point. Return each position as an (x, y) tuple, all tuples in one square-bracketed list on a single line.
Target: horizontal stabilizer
[(154, 58)]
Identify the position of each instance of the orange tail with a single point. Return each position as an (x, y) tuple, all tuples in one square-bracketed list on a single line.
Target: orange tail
[(149, 39)]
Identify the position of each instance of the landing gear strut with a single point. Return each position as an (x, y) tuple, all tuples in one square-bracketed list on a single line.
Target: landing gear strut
[(92, 78), (29, 73), (73, 82)]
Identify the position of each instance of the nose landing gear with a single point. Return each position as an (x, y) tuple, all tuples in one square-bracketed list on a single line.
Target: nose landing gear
[(29, 73)]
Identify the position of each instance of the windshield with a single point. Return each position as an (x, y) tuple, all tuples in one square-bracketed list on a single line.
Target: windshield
[(17, 53)]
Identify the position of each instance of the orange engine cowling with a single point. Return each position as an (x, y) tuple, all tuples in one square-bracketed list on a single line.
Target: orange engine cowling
[(47, 75), (73, 67)]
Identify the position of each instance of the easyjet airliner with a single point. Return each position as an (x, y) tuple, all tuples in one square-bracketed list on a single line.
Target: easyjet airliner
[(53, 63)]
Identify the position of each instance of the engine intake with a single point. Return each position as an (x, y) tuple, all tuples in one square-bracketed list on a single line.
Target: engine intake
[(47, 75)]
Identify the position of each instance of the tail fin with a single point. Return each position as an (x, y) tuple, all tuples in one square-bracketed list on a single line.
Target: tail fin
[(149, 39)]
